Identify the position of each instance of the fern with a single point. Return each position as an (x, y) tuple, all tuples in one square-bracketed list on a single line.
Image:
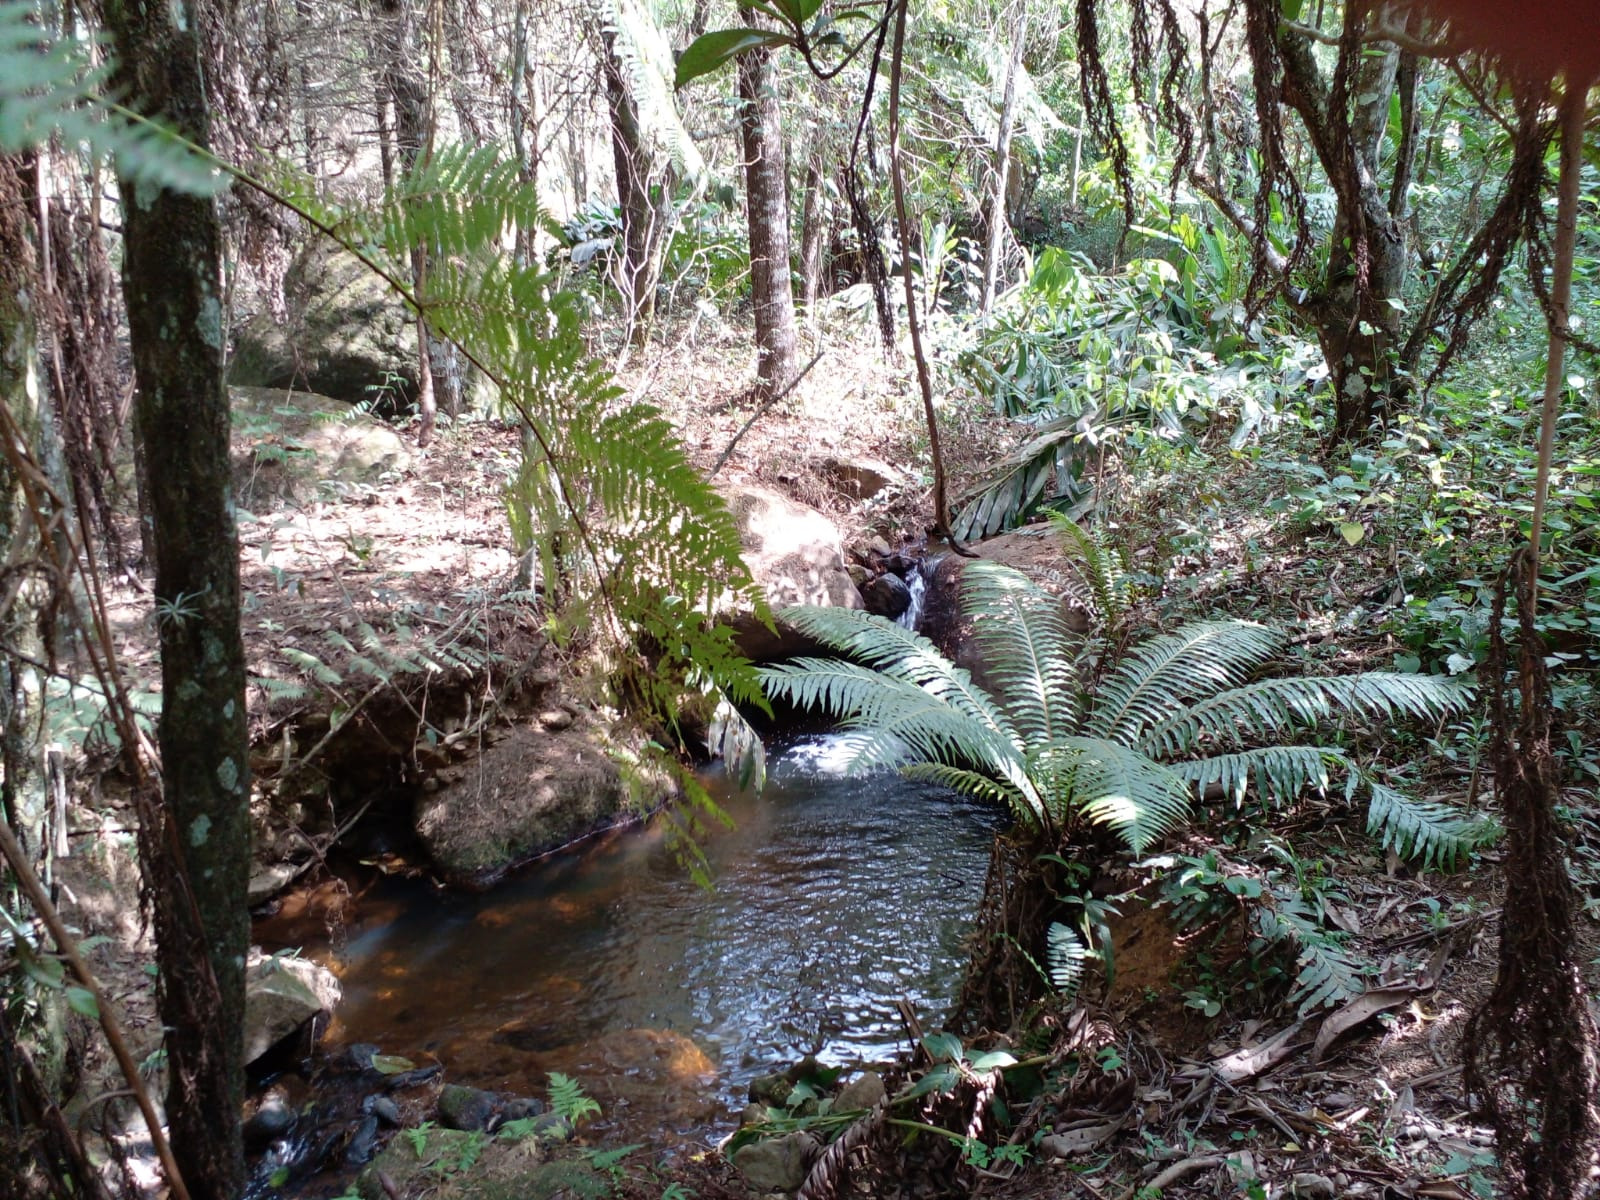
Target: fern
[(1326, 974), (49, 88), (1420, 831), (1102, 568), (633, 546), (569, 1101), (1177, 716), (1066, 955)]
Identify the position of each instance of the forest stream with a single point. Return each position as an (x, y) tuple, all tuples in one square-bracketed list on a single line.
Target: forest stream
[(833, 898)]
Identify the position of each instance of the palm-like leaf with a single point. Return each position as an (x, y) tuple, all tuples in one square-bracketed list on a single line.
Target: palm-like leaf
[(1279, 774), (1434, 834), (1111, 785), (1162, 678), (1023, 634), (1274, 708)]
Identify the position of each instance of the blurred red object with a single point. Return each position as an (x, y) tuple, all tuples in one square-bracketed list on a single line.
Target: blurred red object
[(1538, 39)]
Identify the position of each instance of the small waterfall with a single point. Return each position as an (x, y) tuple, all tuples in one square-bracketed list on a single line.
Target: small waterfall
[(917, 585)]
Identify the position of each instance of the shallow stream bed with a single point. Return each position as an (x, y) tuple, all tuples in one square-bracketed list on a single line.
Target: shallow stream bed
[(833, 898)]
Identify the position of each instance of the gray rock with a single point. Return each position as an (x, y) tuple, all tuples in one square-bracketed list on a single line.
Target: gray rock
[(281, 995), (363, 1143), (864, 1091), (795, 557), (1307, 1186), (385, 1109), (466, 1108), (524, 796), (777, 1164), (284, 443), (752, 1114), (555, 720), (887, 596), (879, 547), (522, 1108), (359, 1055), (770, 1089), (552, 1127), (347, 336)]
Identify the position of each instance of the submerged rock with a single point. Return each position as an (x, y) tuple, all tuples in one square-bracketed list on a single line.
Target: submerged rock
[(778, 1164)]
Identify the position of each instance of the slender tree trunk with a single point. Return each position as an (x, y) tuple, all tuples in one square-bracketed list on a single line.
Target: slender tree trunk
[(813, 233), (172, 281), (638, 265), (767, 208), (413, 132), (1000, 171)]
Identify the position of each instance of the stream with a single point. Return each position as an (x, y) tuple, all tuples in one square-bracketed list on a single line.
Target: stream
[(834, 897)]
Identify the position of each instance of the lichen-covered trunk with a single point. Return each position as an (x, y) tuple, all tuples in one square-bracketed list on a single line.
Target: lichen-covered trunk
[(199, 866), (1000, 170), (813, 234), (767, 207)]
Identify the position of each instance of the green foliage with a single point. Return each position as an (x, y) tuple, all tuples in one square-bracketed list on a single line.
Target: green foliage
[(50, 88), (1178, 714), (569, 1101), (633, 545)]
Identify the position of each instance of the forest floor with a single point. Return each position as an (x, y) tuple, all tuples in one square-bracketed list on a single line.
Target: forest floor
[(1205, 1084)]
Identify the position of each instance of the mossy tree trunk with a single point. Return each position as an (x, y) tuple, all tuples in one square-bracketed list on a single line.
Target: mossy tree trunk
[(198, 866)]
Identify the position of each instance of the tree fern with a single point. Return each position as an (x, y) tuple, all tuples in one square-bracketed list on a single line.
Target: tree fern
[(1101, 566), (1066, 956), (1420, 830), (1023, 635)]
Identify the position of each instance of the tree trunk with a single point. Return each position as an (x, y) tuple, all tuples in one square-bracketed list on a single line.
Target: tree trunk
[(813, 234), (638, 266), (1002, 164), (767, 207), (172, 281), (413, 132), (1355, 315)]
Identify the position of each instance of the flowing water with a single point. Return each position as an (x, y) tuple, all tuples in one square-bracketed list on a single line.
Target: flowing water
[(834, 897)]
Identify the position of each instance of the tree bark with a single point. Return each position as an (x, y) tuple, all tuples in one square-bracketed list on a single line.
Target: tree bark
[(1355, 314), (1001, 168), (767, 209), (639, 264), (813, 233), (172, 281), (413, 132)]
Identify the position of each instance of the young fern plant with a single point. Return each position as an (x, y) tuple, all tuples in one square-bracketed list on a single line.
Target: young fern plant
[(1180, 717)]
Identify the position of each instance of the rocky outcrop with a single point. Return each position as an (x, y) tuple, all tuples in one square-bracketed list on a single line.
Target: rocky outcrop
[(526, 795), (795, 555), (281, 995), (285, 442), (347, 336)]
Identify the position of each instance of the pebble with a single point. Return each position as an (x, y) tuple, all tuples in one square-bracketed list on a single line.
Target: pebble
[(1307, 1186)]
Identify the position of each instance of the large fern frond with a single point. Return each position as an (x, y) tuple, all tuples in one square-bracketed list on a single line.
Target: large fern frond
[(1279, 774), (1110, 785), (1327, 973), (1421, 830), (1271, 708), (1163, 679), (1100, 566), (1022, 633), (975, 784), (902, 654)]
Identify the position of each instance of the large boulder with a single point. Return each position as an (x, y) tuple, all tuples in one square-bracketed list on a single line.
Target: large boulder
[(528, 794), (347, 336), (285, 442), (281, 995), (795, 555)]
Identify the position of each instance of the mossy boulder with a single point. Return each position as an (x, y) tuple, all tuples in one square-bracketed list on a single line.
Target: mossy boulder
[(527, 794), (448, 1164), (286, 442)]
